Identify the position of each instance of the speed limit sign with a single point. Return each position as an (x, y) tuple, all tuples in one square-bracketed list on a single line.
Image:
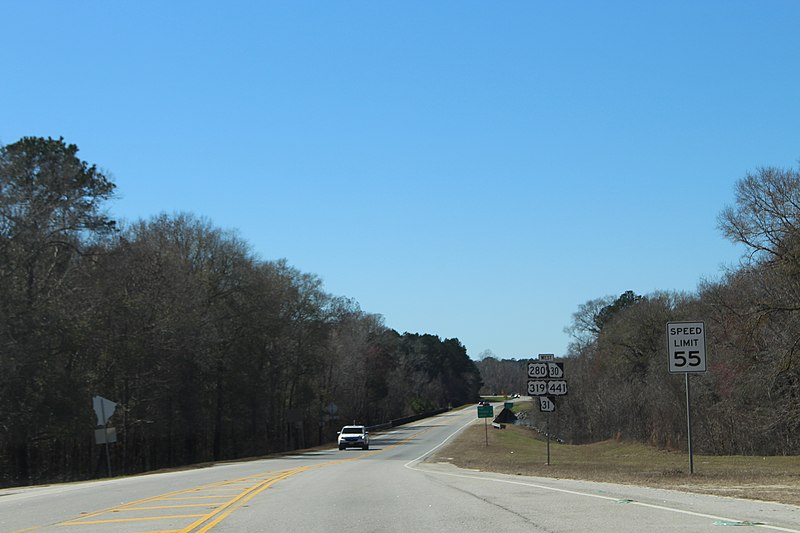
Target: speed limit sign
[(687, 347)]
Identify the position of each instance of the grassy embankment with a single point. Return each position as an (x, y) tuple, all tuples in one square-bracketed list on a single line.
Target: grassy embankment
[(518, 450)]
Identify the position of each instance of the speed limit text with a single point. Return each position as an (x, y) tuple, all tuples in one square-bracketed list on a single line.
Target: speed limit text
[(682, 343), (686, 330)]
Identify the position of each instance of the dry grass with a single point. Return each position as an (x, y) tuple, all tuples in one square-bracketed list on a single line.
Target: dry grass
[(517, 450)]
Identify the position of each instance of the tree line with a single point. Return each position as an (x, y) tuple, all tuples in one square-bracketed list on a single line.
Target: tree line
[(748, 402), (210, 352)]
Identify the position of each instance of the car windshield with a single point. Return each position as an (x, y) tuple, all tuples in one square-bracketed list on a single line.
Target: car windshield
[(356, 430)]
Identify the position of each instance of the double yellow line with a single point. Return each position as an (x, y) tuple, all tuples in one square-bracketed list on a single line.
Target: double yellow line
[(213, 495), (222, 504)]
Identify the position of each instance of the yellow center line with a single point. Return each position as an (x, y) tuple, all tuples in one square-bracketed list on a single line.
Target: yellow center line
[(167, 495), (226, 499), (185, 505), (249, 488), (140, 519), (232, 504), (227, 510), (217, 489), (189, 498)]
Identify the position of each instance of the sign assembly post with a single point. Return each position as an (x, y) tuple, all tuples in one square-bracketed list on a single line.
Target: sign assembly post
[(546, 379), (547, 405), (686, 344), (104, 408), (486, 411)]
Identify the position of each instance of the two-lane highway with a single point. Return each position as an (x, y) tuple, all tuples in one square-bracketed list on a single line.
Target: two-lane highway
[(388, 488)]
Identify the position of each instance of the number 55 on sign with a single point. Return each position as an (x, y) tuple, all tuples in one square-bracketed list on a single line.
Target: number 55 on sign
[(687, 347)]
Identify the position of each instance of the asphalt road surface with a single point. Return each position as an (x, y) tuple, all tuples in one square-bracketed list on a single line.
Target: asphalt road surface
[(388, 488)]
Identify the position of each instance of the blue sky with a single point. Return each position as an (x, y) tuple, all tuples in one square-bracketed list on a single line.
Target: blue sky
[(466, 169)]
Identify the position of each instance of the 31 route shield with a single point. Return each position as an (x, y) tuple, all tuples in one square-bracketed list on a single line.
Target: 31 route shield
[(546, 405)]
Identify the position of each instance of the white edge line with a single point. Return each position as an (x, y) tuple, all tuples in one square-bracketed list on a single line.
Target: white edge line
[(421, 457), (411, 466)]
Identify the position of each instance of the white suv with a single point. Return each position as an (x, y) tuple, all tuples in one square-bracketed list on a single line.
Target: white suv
[(351, 436)]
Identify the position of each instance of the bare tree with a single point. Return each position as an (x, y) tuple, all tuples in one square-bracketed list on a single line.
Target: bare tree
[(766, 217)]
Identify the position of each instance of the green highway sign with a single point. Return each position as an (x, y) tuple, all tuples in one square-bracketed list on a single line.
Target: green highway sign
[(485, 411)]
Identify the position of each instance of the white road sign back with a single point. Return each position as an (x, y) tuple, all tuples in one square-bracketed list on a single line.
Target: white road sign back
[(687, 347), (103, 408)]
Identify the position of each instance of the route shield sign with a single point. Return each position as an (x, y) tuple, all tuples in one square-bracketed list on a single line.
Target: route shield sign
[(687, 347), (537, 370), (555, 370), (537, 387), (546, 405), (548, 370), (557, 388)]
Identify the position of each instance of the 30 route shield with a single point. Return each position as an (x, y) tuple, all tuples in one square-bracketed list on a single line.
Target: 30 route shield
[(548, 370), (555, 370)]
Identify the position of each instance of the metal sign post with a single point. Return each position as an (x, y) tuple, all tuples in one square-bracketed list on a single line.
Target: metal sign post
[(547, 436), (105, 435), (546, 379), (486, 411), (689, 424), (547, 406), (686, 345), (104, 409)]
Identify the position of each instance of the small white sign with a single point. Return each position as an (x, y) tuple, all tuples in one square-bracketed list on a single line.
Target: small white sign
[(687, 347)]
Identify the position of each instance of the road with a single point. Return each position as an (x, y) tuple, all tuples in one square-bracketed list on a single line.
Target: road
[(388, 488)]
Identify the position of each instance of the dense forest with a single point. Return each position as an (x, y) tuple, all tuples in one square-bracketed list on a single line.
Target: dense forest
[(212, 353), (748, 402), (209, 352)]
